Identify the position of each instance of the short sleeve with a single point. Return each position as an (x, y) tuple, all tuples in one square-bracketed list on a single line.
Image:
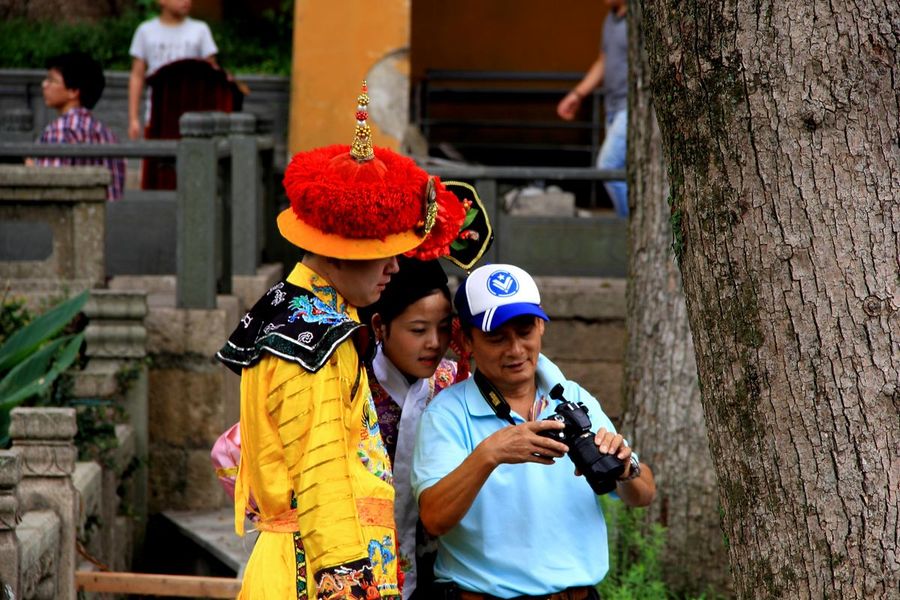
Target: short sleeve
[(138, 46), (441, 446), (207, 44)]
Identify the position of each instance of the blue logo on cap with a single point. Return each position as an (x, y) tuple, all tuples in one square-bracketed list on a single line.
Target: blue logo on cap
[(502, 283)]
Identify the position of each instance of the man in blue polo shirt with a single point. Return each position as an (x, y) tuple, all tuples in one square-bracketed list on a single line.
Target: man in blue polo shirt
[(513, 519)]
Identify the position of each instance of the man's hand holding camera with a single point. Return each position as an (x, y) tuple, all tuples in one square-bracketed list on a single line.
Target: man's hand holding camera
[(635, 486), (608, 442), (523, 443)]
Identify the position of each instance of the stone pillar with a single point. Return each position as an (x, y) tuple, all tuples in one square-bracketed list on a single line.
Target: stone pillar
[(44, 439), (10, 475), (204, 246), (586, 334), (193, 399), (116, 339), (246, 194)]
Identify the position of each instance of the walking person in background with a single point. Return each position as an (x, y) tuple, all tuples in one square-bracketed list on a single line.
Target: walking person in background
[(610, 71), (171, 36), (72, 87)]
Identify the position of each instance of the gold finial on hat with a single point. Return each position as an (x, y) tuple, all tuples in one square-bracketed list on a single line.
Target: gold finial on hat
[(361, 149)]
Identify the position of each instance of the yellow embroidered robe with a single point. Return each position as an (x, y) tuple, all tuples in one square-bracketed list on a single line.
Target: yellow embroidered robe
[(304, 440)]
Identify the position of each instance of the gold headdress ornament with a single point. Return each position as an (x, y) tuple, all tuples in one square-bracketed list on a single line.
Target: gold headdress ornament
[(361, 149)]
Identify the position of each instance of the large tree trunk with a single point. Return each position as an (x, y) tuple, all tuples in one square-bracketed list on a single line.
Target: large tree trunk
[(780, 127), (662, 395)]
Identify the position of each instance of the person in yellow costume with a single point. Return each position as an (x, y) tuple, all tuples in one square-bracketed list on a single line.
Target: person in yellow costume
[(312, 457)]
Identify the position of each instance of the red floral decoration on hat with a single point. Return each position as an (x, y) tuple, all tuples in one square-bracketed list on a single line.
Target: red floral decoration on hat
[(337, 194), (450, 215)]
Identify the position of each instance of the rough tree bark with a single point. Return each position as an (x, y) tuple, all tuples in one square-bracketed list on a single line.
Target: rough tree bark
[(662, 395), (780, 129)]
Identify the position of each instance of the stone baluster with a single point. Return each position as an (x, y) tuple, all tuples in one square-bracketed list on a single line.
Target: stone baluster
[(116, 346), (246, 194), (10, 475), (203, 262), (44, 438)]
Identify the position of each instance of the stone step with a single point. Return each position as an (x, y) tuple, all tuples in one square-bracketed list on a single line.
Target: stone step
[(213, 531)]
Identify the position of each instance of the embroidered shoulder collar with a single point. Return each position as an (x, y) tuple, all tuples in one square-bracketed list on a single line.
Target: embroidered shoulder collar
[(293, 323)]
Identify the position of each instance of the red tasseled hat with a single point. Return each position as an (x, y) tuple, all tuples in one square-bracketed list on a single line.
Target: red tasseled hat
[(362, 202)]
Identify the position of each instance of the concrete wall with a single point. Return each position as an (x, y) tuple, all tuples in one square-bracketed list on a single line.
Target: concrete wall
[(586, 334), (192, 398)]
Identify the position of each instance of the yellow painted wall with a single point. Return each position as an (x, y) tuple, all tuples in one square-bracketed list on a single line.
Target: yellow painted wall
[(336, 42)]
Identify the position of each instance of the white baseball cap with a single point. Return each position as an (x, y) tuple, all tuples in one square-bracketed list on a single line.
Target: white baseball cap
[(494, 294)]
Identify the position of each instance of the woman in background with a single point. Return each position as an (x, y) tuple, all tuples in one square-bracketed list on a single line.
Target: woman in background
[(412, 324)]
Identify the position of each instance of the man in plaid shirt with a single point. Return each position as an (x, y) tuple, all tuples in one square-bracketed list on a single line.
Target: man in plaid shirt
[(73, 86)]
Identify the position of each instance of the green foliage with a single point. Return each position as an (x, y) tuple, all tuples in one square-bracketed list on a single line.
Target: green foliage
[(28, 45), (256, 45), (635, 571), (13, 316), (246, 45), (634, 555), (33, 357), (96, 437)]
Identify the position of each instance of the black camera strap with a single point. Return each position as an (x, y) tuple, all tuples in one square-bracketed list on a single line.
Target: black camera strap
[(493, 397)]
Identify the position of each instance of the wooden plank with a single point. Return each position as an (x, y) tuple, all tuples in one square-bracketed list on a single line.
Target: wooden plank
[(157, 585)]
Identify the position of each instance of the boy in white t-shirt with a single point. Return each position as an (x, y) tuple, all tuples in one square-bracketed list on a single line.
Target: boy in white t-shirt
[(169, 37)]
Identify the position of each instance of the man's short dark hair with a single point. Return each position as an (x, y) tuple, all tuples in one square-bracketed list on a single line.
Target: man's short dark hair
[(80, 72)]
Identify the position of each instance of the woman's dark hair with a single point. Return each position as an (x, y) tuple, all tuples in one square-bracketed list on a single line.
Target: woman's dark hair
[(80, 72), (415, 280)]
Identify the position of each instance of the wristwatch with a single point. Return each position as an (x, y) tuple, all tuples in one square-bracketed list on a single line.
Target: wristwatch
[(635, 468)]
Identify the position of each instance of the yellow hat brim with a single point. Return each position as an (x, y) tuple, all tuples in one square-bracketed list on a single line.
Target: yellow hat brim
[(318, 242)]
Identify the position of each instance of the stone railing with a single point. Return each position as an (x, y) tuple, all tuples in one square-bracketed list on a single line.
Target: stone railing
[(51, 505), (23, 113), (210, 228), (53, 220), (40, 505), (49, 501), (547, 244)]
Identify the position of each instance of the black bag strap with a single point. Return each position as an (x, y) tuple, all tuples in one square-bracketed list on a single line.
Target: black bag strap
[(493, 397)]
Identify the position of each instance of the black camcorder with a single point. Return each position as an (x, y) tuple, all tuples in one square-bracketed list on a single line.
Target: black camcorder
[(600, 470)]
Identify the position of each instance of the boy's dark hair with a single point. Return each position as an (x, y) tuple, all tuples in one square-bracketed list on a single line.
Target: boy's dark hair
[(80, 72)]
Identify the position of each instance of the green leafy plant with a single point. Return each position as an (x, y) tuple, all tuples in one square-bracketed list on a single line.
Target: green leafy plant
[(96, 438), (13, 315), (634, 548), (33, 357), (247, 43)]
